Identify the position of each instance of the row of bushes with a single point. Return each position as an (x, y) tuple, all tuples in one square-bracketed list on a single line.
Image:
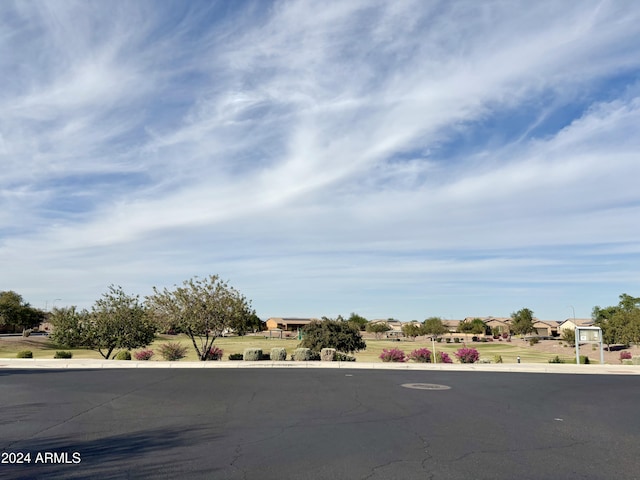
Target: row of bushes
[(424, 355), (174, 351), (300, 355), (584, 360), (421, 355), (29, 354)]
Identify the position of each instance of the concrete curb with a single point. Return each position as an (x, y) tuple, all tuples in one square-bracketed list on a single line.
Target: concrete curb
[(27, 363)]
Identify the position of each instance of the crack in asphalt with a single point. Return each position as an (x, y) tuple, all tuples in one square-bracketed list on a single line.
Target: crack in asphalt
[(90, 409), (384, 465)]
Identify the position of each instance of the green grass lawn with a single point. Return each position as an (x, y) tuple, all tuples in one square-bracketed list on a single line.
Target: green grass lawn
[(45, 348)]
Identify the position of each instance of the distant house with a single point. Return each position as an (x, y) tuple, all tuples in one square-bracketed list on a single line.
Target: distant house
[(288, 324), (572, 323), (395, 325), (451, 325), (503, 324), (546, 328)]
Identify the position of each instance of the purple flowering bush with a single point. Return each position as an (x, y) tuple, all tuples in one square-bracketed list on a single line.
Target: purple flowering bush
[(393, 355), (443, 357), (467, 355), (625, 356), (421, 355), (215, 353), (143, 355)]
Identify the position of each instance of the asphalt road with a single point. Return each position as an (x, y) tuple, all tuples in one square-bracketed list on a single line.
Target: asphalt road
[(317, 424)]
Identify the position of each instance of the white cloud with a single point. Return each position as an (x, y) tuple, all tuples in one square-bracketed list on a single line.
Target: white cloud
[(306, 142)]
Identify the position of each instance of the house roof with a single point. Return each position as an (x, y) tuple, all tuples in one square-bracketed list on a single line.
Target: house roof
[(580, 322), (292, 320), (550, 323)]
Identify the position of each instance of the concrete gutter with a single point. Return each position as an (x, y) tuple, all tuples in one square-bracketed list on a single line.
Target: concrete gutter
[(35, 363)]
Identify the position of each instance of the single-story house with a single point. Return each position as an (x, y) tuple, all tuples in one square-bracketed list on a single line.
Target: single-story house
[(572, 323), (288, 324), (546, 328), (451, 325), (503, 324)]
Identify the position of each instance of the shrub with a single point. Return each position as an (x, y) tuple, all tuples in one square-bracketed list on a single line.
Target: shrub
[(438, 339), (266, 356), (533, 341), (172, 351), (448, 340), (343, 357), (474, 339), (29, 354), (625, 356), (467, 355), (569, 337), (584, 360), (327, 354), (393, 355), (236, 356), (63, 354), (123, 355), (456, 340), (556, 359), (343, 336), (252, 354), (301, 355), (215, 353), (278, 354), (443, 357), (497, 359), (421, 355), (143, 355)]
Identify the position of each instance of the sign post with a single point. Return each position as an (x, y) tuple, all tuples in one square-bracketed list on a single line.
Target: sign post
[(592, 335)]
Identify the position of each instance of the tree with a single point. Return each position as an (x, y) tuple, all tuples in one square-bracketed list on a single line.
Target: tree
[(118, 321), (411, 330), (251, 324), (475, 326), (358, 320), (15, 312), (522, 322), (620, 323), (70, 327), (434, 326), (343, 336), (569, 336), (378, 328), (203, 309)]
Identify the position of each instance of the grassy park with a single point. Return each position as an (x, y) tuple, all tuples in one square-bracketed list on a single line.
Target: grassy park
[(44, 348)]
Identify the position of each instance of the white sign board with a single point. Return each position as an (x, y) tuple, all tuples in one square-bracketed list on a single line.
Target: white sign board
[(591, 335)]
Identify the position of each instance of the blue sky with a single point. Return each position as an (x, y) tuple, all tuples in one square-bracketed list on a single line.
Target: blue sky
[(396, 159)]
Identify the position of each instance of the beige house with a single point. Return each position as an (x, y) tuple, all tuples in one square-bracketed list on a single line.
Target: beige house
[(451, 325), (503, 324), (546, 328), (288, 324), (572, 323), (395, 326)]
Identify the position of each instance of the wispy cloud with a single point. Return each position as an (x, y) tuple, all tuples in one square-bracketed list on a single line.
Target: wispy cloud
[(387, 156)]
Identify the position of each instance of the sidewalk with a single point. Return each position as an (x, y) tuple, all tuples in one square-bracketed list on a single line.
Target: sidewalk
[(28, 363)]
